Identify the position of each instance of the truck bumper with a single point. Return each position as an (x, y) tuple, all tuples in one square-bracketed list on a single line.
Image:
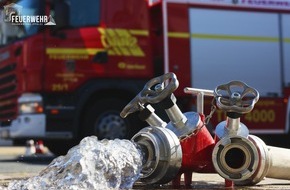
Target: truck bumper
[(25, 126)]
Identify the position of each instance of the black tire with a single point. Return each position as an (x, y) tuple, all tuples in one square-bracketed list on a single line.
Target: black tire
[(103, 120)]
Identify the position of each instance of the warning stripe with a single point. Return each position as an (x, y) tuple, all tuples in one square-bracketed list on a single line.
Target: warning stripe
[(86, 51), (225, 37), (178, 34), (136, 51), (287, 40), (139, 32), (230, 37)]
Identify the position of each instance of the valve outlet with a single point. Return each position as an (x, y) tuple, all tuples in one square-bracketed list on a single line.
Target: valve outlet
[(235, 158), (162, 154), (264, 162)]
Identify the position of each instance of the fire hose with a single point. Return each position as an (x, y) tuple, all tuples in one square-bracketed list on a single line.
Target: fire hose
[(184, 145)]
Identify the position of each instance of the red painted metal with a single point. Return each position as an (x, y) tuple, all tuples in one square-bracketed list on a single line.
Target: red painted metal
[(196, 155)]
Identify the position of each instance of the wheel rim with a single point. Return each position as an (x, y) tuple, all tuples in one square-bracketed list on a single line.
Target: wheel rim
[(110, 125)]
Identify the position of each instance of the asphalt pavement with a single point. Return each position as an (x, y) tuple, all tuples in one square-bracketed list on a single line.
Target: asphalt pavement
[(15, 164)]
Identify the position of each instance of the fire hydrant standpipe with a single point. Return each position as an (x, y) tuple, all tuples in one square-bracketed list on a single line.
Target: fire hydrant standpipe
[(196, 142), (184, 145), (196, 148)]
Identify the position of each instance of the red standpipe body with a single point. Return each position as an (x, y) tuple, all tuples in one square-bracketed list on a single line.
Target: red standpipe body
[(196, 154)]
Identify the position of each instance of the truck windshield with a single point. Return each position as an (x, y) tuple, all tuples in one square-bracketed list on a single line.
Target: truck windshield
[(84, 13), (10, 31)]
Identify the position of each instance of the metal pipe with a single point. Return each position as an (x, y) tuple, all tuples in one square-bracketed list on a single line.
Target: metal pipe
[(176, 116), (200, 93), (233, 124), (200, 102), (195, 91), (153, 119)]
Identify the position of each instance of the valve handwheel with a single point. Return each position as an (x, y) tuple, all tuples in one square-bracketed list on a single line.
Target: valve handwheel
[(236, 96), (149, 95)]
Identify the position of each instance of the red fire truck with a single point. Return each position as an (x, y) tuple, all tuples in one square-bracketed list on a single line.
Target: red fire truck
[(67, 67)]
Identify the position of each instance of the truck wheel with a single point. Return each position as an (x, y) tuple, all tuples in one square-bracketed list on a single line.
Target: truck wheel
[(103, 120)]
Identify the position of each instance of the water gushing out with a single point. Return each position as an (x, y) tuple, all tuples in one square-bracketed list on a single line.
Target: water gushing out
[(93, 164)]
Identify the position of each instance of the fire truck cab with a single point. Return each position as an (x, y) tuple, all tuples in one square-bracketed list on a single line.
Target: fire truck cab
[(68, 68)]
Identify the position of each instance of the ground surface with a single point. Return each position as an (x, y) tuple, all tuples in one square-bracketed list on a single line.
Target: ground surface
[(14, 165)]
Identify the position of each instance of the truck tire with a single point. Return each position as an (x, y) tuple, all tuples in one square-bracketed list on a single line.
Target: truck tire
[(103, 120)]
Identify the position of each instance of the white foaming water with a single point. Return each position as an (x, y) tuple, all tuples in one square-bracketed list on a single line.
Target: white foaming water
[(93, 164)]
